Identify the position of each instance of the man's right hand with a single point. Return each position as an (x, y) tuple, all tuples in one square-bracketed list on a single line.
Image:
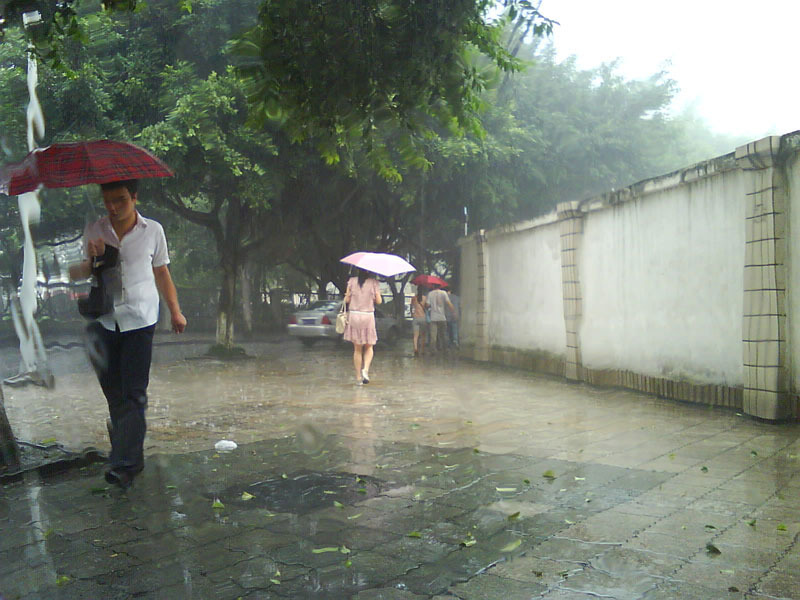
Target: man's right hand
[(96, 247)]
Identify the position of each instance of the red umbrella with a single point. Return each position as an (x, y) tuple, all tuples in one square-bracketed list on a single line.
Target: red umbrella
[(428, 281), (71, 164)]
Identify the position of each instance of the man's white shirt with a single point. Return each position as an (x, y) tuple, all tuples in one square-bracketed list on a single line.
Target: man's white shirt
[(143, 248)]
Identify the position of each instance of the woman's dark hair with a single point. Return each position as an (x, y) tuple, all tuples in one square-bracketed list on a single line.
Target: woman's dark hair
[(362, 277), (420, 294)]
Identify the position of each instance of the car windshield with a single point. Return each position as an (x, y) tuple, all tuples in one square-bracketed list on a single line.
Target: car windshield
[(322, 305)]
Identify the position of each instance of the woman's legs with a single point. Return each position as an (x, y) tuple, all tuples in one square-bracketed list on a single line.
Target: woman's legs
[(357, 353), (368, 353), (416, 338)]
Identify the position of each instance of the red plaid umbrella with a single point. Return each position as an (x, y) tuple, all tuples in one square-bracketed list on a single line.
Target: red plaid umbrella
[(428, 281), (71, 164)]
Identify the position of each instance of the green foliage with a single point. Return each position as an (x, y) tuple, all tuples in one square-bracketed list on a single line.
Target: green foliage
[(338, 72)]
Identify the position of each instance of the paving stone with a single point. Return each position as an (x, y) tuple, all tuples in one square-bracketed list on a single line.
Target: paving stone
[(536, 570), (490, 587), (636, 458), (621, 587), (718, 574), (563, 549), (780, 583), (672, 590), (386, 594), (626, 562)]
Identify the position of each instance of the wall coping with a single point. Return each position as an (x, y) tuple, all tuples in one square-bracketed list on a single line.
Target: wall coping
[(788, 144)]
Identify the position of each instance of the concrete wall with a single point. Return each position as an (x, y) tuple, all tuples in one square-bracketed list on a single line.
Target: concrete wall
[(679, 285), (524, 269), (662, 281)]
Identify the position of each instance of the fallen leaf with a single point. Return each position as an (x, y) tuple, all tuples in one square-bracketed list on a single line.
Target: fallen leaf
[(752, 522), (284, 476), (328, 492), (344, 549), (526, 481), (727, 571), (217, 504), (468, 543), (709, 526), (353, 517), (712, 549), (512, 546), (275, 581), (549, 474), (568, 522), (414, 534), (580, 479), (704, 469), (247, 496), (506, 489), (753, 453), (338, 504), (348, 563), (781, 527), (62, 580), (514, 516), (326, 549)]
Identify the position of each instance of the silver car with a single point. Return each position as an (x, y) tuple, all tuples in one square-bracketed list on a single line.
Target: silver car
[(318, 321)]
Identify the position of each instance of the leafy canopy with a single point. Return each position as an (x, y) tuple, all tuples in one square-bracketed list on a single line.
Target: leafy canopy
[(338, 71)]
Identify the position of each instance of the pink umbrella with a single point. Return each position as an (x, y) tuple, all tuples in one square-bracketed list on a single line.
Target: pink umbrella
[(387, 265)]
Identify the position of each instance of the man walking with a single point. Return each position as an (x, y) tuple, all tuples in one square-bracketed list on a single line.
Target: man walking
[(438, 300), (125, 335)]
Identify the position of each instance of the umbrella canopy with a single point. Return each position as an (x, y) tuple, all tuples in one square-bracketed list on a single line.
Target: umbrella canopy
[(71, 164), (387, 265), (428, 281)]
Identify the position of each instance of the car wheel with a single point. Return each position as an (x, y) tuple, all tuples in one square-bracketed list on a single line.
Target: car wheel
[(307, 342)]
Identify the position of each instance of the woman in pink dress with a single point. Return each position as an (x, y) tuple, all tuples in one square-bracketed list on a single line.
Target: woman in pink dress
[(363, 293)]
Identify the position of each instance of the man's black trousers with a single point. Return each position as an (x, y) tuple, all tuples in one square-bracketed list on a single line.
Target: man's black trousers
[(122, 362)]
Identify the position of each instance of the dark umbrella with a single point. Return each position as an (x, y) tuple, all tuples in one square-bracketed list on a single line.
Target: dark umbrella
[(71, 164), (428, 281)]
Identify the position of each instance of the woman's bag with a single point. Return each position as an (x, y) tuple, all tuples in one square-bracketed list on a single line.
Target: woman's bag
[(341, 319)]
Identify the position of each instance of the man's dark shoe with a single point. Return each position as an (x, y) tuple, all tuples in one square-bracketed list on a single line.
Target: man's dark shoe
[(119, 477)]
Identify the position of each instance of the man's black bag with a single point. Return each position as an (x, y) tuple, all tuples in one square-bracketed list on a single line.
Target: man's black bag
[(100, 301)]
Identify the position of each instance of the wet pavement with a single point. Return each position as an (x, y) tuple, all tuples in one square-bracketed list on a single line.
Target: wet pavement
[(440, 479)]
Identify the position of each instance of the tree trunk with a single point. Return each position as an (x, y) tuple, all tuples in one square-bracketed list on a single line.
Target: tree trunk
[(247, 300), (230, 259), (226, 308), (9, 450)]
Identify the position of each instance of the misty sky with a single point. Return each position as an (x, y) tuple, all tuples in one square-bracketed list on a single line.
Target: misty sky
[(736, 61)]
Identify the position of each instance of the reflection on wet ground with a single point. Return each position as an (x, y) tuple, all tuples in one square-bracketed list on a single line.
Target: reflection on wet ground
[(439, 479)]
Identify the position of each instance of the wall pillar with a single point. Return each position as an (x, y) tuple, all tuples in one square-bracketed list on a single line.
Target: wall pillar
[(764, 339), (481, 351), (571, 221)]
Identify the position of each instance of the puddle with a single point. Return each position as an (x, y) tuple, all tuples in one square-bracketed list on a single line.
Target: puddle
[(303, 492)]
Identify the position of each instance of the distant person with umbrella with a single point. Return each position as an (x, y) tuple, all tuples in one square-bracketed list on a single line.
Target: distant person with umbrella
[(419, 323), (438, 301), (363, 293), (124, 336)]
